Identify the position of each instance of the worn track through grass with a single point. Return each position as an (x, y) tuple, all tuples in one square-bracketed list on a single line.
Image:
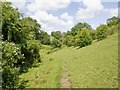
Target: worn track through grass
[(65, 82)]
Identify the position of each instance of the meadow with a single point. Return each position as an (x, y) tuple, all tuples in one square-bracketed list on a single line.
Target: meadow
[(74, 57), (93, 66)]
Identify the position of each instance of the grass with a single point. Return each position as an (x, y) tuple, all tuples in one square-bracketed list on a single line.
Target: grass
[(94, 66), (46, 75)]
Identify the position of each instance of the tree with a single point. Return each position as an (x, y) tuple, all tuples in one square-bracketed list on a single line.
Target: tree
[(101, 32), (11, 28), (112, 24), (79, 27), (30, 50), (31, 28), (11, 54), (83, 38), (57, 35), (44, 37), (56, 43), (11, 62), (93, 34), (69, 40), (16, 33), (11, 80), (112, 21)]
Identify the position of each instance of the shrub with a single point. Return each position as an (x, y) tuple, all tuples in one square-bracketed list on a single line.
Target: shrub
[(11, 61), (11, 55), (31, 54), (57, 35), (56, 43), (11, 80), (101, 32), (112, 29), (69, 40), (93, 34), (83, 38), (44, 37)]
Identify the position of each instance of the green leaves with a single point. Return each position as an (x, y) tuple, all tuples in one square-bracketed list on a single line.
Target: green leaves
[(15, 28), (11, 54), (69, 40), (44, 37), (57, 35), (112, 21), (56, 43), (79, 27), (10, 78), (11, 31), (83, 38), (18, 54), (31, 54), (31, 28), (11, 61), (102, 32)]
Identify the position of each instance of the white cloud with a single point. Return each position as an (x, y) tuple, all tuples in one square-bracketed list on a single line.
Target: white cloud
[(84, 14), (38, 9), (91, 8), (93, 4), (19, 5), (43, 16), (47, 29), (16, 1), (69, 19), (65, 16), (49, 21), (47, 5)]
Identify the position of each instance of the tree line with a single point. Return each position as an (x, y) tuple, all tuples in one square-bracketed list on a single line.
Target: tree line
[(82, 34), (20, 46), (22, 39)]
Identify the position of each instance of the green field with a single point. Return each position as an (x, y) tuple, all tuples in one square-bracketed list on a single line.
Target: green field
[(94, 66)]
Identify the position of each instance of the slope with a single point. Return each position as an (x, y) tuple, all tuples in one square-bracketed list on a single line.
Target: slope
[(94, 66)]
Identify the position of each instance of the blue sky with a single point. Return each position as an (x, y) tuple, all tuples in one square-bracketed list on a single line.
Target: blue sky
[(62, 15)]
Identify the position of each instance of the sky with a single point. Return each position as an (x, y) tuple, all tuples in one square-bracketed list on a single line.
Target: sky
[(62, 15)]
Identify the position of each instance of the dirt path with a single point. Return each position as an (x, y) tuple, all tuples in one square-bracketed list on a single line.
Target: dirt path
[(65, 82)]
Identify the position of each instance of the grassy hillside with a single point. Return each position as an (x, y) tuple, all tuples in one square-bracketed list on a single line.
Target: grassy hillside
[(47, 75), (95, 65), (92, 66)]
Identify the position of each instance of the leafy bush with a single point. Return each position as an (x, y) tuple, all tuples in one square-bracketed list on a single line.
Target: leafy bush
[(79, 26), (56, 43), (111, 30), (11, 61), (57, 35), (31, 54), (69, 40), (11, 55), (16, 59), (101, 32), (11, 80), (112, 21), (83, 38), (18, 52), (93, 34), (44, 37)]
